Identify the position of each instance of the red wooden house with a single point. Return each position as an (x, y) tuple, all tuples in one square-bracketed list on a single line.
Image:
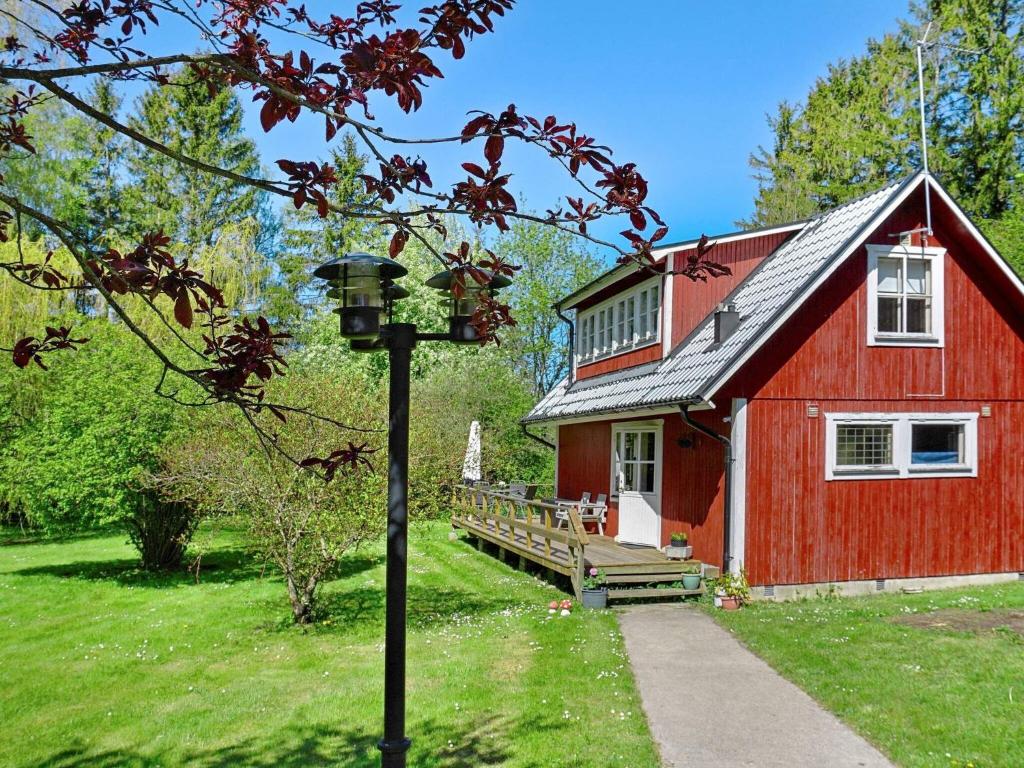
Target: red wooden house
[(845, 408)]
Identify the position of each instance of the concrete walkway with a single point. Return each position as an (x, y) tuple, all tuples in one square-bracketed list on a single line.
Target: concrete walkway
[(711, 702)]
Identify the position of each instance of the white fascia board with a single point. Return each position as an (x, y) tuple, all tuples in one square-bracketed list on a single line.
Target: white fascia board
[(666, 307), (621, 415), (711, 388), (738, 521), (657, 253)]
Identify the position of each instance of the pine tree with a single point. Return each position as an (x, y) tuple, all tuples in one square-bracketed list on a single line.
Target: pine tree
[(309, 240), (859, 126), (190, 206)]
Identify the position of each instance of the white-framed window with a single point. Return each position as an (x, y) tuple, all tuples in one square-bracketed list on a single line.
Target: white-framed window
[(636, 457), (627, 321), (905, 296), (861, 446)]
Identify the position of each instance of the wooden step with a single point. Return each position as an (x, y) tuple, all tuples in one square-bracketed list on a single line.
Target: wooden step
[(642, 578), (632, 593)]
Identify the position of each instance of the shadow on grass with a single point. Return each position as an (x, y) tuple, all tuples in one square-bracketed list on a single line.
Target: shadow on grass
[(14, 536), (451, 744), (219, 566), (351, 609)]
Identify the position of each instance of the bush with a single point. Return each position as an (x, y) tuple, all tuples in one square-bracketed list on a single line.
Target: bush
[(161, 530), (444, 404), (77, 458)]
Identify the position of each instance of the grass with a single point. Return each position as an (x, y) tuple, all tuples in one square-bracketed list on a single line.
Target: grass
[(928, 691), (105, 666)]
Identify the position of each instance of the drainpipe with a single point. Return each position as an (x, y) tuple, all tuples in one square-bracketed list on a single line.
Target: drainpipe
[(684, 411), (538, 438), (572, 343)]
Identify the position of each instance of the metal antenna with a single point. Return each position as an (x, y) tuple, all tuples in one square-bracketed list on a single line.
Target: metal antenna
[(924, 132)]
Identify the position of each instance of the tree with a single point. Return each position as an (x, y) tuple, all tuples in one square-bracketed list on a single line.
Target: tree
[(859, 126), (308, 239), (290, 517), (553, 265), (344, 63), (183, 117)]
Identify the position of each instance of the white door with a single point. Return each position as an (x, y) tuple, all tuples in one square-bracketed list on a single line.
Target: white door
[(636, 478)]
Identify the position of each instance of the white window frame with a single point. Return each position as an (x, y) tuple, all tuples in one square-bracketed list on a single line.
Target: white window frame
[(936, 258), (654, 427), (597, 340), (902, 425)]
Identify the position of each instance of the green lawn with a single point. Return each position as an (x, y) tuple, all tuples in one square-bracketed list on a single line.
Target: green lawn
[(939, 690), (103, 666)]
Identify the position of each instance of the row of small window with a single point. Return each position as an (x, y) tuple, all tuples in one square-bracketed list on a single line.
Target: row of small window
[(629, 321), (887, 445)]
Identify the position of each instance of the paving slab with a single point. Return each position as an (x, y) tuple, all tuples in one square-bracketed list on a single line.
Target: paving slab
[(711, 702)]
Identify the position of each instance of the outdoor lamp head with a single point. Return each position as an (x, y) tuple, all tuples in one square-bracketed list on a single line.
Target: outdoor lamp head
[(358, 280), (461, 309)]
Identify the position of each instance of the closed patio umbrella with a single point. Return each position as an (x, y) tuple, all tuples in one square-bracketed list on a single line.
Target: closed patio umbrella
[(471, 464)]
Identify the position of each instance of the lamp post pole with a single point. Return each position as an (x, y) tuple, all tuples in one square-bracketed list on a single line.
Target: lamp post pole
[(365, 286), (400, 339)]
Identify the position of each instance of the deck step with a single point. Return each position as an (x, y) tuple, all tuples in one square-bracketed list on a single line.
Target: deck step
[(642, 578), (631, 593)]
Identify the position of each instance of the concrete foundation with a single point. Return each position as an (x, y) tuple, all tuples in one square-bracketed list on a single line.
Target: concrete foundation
[(783, 592)]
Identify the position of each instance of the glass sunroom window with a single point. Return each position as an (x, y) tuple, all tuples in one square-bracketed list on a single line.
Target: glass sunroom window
[(621, 323)]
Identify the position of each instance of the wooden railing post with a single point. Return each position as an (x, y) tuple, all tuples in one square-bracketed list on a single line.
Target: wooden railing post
[(579, 534)]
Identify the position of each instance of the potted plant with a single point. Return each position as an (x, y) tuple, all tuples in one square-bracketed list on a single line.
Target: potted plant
[(732, 590), (692, 575), (595, 591), (678, 548)]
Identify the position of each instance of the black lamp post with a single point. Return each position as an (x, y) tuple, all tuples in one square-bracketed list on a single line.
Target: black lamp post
[(367, 292)]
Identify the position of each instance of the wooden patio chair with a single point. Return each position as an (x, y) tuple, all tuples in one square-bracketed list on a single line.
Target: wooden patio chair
[(600, 511), (562, 515), (478, 495)]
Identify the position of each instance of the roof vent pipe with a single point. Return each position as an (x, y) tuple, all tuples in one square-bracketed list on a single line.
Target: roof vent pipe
[(727, 320)]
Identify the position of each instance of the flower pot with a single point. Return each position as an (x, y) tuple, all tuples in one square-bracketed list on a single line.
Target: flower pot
[(595, 598), (678, 552), (730, 603), (691, 580)]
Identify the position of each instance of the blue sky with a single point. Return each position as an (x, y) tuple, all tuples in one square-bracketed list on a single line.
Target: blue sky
[(680, 88)]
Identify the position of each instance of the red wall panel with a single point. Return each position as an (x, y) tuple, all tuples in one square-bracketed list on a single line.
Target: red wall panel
[(802, 528), (691, 477), (618, 362), (693, 301)]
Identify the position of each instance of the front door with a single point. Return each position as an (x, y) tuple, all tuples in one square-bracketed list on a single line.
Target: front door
[(636, 478)]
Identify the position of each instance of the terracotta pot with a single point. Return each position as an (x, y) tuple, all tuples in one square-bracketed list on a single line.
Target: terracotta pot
[(730, 603)]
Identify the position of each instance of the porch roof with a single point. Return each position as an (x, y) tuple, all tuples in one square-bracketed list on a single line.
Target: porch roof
[(697, 367)]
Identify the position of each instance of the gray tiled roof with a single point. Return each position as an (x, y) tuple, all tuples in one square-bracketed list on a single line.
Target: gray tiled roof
[(698, 363)]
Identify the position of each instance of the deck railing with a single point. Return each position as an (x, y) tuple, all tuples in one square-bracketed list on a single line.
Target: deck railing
[(527, 527)]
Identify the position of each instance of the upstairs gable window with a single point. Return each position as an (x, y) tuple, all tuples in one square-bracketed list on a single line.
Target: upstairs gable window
[(905, 296), (627, 321)]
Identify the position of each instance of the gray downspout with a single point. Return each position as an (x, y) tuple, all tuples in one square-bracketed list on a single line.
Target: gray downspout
[(572, 343), (684, 411), (538, 438)]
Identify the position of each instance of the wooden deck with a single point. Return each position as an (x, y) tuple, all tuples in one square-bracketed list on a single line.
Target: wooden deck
[(527, 529)]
